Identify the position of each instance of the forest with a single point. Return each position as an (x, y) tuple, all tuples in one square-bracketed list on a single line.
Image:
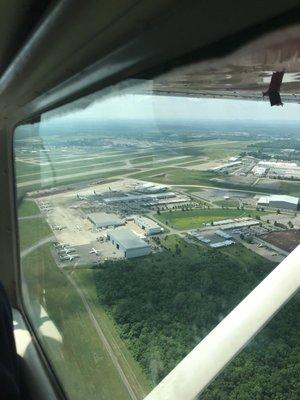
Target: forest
[(164, 304)]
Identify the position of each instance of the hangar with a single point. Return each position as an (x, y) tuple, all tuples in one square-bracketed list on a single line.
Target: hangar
[(279, 201), (128, 242), (104, 220), (148, 225)]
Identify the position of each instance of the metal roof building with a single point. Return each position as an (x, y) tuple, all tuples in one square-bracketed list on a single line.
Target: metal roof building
[(104, 220), (222, 244), (148, 225), (128, 242), (279, 201), (140, 197)]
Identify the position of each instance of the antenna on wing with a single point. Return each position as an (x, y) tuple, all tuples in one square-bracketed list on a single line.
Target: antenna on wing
[(273, 91)]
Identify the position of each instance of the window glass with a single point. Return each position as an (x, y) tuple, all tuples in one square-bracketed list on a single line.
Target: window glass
[(146, 214)]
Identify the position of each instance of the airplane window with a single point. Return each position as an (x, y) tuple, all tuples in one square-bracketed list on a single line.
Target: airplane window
[(146, 213)]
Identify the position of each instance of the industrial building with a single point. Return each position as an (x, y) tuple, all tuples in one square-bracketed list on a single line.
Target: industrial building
[(104, 220), (128, 242), (223, 234), (277, 164), (279, 201), (259, 171), (148, 225), (282, 170), (148, 187), (142, 197), (225, 243), (235, 223), (226, 166), (210, 239), (202, 238)]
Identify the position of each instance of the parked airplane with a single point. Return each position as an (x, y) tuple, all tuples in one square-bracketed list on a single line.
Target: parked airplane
[(60, 246), (58, 227), (68, 257), (94, 251), (70, 250), (66, 251)]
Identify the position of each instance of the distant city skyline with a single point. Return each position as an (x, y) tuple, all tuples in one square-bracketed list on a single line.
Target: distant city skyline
[(141, 107)]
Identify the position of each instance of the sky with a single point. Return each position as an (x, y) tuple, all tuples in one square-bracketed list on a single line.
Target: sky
[(130, 106)]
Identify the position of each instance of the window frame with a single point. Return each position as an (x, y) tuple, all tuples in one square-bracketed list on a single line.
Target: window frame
[(128, 61)]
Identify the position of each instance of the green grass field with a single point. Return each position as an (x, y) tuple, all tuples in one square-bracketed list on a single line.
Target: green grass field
[(31, 231), (227, 203), (292, 188), (27, 208), (85, 279), (182, 176), (94, 375), (196, 218), (24, 168), (55, 172), (59, 180), (81, 361), (239, 254), (143, 159)]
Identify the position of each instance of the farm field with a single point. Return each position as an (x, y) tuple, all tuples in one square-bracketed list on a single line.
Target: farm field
[(192, 219)]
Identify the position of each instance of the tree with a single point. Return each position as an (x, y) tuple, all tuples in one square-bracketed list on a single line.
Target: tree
[(177, 249)]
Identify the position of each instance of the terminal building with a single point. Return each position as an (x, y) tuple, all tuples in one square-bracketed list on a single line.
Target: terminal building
[(148, 225), (128, 242), (150, 188), (126, 198), (279, 201), (104, 220)]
